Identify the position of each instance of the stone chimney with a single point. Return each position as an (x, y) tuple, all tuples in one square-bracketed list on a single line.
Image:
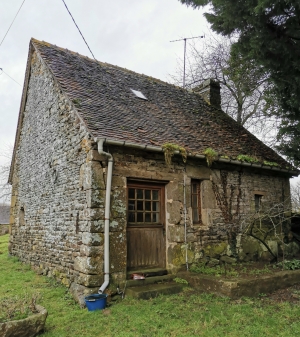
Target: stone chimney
[(210, 91)]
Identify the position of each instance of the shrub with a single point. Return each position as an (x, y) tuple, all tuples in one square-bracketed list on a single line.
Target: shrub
[(290, 265)]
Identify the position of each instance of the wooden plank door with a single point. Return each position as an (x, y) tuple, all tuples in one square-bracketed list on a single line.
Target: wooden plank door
[(146, 247)]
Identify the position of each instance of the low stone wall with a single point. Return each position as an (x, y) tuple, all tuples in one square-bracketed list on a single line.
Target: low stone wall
[(27, 327), (241, 287)]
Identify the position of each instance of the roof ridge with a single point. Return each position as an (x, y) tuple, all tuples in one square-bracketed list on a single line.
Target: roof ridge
[(48, 44)]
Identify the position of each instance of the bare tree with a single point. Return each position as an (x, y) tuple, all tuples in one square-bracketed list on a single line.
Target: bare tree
[(267, 223), (244, 86), (295, 197), (5, 188)]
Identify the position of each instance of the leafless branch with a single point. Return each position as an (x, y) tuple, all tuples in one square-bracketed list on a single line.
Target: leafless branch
[(244, 86), (5, 188)]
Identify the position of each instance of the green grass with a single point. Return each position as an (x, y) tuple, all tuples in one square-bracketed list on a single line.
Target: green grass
[(215, 271), (186, 314)]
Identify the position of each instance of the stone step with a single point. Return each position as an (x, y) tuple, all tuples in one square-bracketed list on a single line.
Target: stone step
[(153, 290), (150, 280), (148, 272)]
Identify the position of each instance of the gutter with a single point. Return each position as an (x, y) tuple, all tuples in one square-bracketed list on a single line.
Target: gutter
[(100, 143), (200, 156)]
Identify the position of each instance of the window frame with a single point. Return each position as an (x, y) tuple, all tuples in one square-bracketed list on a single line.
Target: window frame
[(151, 186), (199, 201), (257, 202)]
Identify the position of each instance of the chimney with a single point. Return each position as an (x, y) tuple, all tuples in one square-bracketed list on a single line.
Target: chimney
[(209, 90)]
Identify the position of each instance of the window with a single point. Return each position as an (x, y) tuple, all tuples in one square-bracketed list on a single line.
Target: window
[(139, 94), (196, 201), (22, 216), (257, 202), (145, 203)]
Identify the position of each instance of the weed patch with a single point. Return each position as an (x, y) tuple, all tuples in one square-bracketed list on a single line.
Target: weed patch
[(290, 265), (215, 271), (242, 270), (17, 307)]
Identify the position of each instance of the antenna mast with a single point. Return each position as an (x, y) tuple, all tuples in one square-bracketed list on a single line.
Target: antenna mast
[(184, 54)]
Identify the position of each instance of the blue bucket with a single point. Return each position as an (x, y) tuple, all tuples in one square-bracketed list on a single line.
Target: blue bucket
[(95, 301)]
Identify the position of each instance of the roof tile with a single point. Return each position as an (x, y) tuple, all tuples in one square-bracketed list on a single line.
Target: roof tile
[(170, 114)]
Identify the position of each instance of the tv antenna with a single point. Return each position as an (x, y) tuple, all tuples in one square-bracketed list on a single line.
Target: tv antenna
[(184, 54)]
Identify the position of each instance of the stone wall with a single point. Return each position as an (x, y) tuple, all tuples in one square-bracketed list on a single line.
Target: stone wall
[(50, 227), (210, 238)]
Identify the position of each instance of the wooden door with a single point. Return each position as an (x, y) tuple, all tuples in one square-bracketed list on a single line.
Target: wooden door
[(146, 246)]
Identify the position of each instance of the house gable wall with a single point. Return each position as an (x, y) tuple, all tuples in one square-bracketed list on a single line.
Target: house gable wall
[(48, 228)]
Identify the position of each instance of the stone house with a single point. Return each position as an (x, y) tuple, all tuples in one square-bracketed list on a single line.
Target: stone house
[(4, 218), (115, 171)]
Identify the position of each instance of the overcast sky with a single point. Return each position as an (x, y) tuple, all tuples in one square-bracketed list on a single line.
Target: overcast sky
[(134, 34)]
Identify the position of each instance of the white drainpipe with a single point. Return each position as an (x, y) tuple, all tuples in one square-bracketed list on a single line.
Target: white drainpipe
[(185, 225), (106, 213)]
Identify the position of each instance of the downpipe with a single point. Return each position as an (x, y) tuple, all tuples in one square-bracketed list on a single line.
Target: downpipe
[(185, 224), (100, 143)]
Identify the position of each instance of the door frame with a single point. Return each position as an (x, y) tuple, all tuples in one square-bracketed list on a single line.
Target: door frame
[(152, 185)]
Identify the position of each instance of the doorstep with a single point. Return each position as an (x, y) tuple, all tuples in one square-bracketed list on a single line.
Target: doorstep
[(146, 292), (157, 282)]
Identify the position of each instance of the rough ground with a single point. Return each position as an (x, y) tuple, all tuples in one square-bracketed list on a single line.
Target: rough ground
[(291, 294)]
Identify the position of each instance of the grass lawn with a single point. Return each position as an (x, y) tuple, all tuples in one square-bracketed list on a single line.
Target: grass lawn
[(186, 314)]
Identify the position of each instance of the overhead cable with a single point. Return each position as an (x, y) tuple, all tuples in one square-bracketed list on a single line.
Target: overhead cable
[(79, 29), (12, 23), (3, 72)]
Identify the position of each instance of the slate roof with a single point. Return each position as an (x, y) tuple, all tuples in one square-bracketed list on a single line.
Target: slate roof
[(102, 95), (4, 214)]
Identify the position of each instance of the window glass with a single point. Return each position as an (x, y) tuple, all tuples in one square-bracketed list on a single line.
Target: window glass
[(155, 217), (148, 205), (131, 205), (139, 205), (196, 201), (148, 194), (131, 193), (144, 205), (257, 202), (140, 217), (140, 194), (155, 195), (195, 215), (131, 217), (194, 187)]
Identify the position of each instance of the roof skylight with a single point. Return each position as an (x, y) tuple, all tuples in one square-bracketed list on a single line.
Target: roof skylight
[(139, 94)]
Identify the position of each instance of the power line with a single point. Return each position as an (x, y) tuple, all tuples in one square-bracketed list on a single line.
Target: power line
[(12, 23), (9, 77), (78, 29)]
